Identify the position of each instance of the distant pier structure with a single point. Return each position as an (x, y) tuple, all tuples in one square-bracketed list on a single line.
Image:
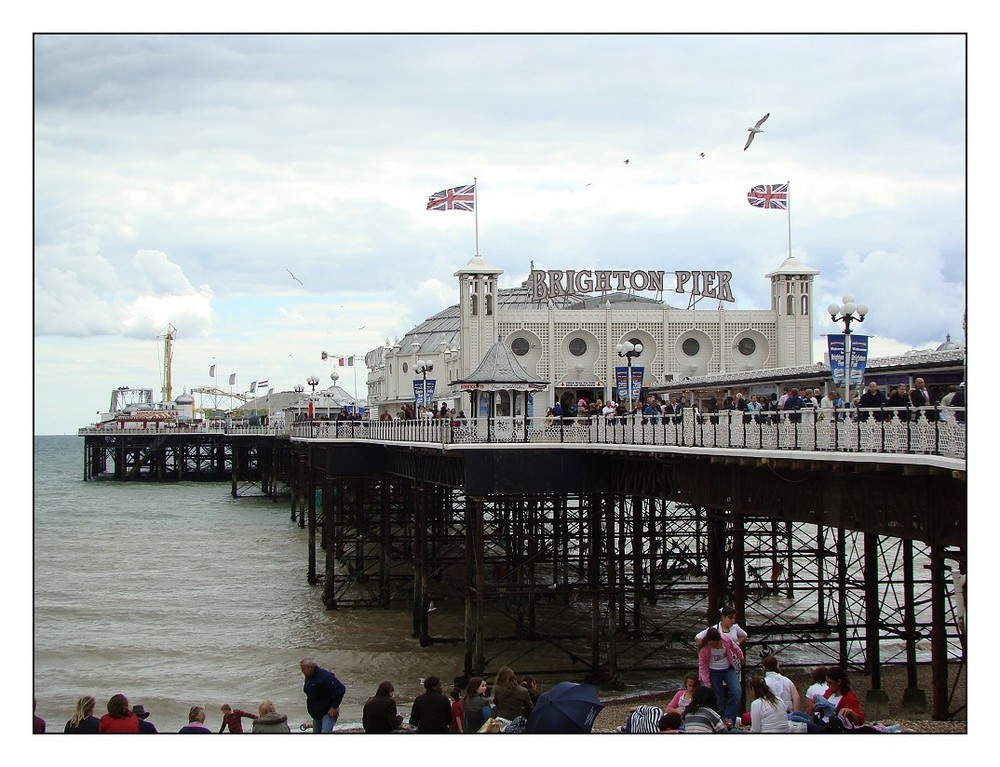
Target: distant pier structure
[(611, 549), (252, 459)]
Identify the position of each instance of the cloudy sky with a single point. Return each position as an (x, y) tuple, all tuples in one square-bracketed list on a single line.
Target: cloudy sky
[(178, 179)]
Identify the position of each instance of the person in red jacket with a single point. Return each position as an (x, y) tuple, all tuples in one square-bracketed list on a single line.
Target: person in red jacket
[(120, 717), (232, 718), (840, 694)]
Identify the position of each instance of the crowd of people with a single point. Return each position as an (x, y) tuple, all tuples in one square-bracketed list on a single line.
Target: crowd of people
[(900, 402), (122, 718), (711, 698), (709, 702)]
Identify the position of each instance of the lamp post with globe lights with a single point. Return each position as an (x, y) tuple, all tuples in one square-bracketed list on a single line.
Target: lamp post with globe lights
[(629, 351), (847, 312), (313, 381)]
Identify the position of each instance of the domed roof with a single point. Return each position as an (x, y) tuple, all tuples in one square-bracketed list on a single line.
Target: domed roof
[(792, 266), (184, 399), (948, 344)]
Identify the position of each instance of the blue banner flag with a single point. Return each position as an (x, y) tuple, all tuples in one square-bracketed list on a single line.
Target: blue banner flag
[(838, 358), (859, 358), (422, 396), (624, 392)]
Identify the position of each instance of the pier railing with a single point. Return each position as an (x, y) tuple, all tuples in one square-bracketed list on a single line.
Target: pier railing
[(153, 427), (911, 431)]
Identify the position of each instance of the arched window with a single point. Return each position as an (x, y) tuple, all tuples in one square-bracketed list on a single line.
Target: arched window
[(791, 305), (489, 304), (805, 306), (474, 300)]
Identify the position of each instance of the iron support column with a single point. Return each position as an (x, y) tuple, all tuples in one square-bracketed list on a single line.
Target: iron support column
[(914, 699), (939, 635), (873, 660)]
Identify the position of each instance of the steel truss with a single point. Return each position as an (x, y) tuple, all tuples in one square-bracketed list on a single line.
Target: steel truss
[(616, 583)]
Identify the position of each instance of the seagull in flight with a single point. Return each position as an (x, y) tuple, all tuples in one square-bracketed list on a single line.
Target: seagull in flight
[(627, 162), (701, 154), (362, 327), (755, 130), (293, 276)]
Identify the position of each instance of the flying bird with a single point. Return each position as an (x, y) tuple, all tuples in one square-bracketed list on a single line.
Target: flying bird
[(362, 327), (755, 130), (431, 607), (701, 154), (627, 162), (293, 276)]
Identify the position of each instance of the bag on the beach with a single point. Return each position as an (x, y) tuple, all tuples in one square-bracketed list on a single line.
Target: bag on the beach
[(492, 725), (517, 725)]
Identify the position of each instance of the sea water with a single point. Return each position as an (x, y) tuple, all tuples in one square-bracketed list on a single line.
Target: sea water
[(178, 594)]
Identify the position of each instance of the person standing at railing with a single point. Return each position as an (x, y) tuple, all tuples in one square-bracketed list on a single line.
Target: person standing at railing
[(958, 402), (793, 404), (946, 400), (712, 408), (922, 399), (899, 402), (754, 407), (832, 404), (870, 400)]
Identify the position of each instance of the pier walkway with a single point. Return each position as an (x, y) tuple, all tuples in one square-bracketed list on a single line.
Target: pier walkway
[(834, 440)]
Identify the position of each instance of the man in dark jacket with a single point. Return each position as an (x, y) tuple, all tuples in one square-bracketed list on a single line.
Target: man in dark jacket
[(431, 712), (872, 398), (923, 400), (324, 692), (145, 727)]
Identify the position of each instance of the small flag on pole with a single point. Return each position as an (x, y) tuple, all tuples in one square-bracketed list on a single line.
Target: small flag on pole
[(348, 361), (211, 372), (253, 386), (769, 196), (232, 379), (262, 384), (459, 198)]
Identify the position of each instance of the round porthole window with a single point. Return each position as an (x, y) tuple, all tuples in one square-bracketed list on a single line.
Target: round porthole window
[(747, 346), (520, 346), (577, 347), (691, 347)]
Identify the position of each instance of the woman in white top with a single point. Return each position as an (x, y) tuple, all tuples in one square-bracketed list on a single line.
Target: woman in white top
[(767, 712), (727, 625), (816, 690)]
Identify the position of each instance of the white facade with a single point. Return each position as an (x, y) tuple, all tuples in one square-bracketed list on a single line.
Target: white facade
[(570, 341)]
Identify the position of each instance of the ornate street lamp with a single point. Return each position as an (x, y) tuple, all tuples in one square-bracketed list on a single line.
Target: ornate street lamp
[(847, 313), (423, 367), (313, 381), (628, 350)]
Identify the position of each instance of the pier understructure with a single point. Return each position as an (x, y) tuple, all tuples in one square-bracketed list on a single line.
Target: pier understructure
[(611, 560), (254, 464)]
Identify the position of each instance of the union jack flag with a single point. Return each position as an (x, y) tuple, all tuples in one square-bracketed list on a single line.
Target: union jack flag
[(459, 198), (769, 196)]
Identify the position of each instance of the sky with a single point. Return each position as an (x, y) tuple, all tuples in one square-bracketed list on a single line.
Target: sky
[(182, 179)]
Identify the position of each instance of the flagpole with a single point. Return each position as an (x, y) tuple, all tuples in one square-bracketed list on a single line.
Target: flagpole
[(475, 210), (788, 209)]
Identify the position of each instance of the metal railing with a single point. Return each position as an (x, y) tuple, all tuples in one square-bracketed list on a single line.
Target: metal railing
[(133, 428), (933, 431)]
